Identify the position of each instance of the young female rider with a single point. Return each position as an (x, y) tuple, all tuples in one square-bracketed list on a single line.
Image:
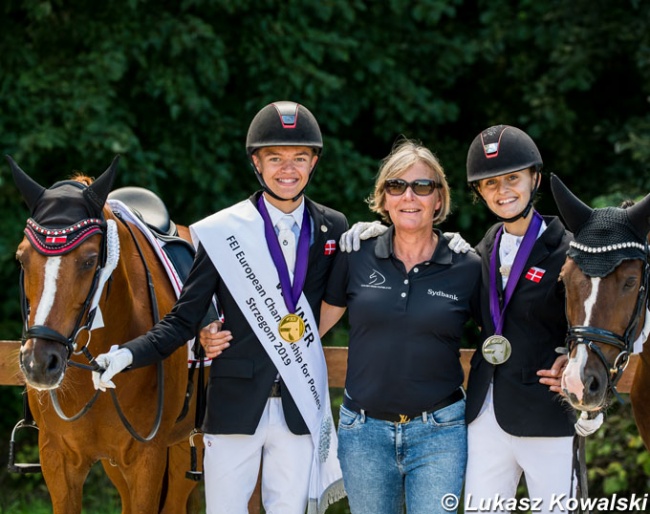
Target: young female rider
[(513, 417)]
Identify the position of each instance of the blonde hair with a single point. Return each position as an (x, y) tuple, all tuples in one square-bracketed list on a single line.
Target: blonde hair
[(405, 154)]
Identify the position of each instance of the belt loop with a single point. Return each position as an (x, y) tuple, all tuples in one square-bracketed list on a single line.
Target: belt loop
[(363, 415), (424, 416)]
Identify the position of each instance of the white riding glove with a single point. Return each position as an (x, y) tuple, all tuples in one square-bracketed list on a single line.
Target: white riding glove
[(113, 362), (351, 240), (456, 242), (585, 426)]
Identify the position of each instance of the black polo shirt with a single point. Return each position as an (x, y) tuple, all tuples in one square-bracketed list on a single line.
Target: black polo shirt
[(406, 328)]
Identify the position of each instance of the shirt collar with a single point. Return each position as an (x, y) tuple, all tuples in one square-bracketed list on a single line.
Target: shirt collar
[(510, 242), (384, 247), (276, 213)]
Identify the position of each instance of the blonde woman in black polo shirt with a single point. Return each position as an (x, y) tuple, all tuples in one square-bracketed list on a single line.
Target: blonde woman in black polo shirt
[(402, 432)]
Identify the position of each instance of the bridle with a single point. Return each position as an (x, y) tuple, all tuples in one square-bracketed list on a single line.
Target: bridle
[(87, 315), (592, 336)]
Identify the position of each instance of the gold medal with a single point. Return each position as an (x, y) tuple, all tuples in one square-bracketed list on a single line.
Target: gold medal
[(291, 328), (496, 349)]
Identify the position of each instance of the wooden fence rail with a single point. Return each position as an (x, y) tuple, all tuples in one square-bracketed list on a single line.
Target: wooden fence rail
[(337, 361)]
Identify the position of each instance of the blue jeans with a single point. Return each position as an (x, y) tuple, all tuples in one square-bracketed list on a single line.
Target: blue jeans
[(388, 464)]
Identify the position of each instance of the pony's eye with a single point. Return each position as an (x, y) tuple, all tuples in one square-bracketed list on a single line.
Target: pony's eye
[(630, 283), (89, 263)]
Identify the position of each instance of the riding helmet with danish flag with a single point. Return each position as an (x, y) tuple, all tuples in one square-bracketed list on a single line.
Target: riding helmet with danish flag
[(499, 150), (283, 123)]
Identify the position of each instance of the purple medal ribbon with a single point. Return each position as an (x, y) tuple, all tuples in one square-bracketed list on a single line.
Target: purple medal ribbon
[(290, 293), (526, 247)]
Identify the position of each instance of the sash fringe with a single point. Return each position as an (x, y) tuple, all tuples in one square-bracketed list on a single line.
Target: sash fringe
[(332, 494)]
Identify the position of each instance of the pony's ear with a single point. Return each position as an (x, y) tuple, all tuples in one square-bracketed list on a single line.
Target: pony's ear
[(30, 190), (639, 216), (573, 210), (97, 192)]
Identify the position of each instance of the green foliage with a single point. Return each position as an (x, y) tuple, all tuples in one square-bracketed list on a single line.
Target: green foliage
[(617, 461), (172, 86)]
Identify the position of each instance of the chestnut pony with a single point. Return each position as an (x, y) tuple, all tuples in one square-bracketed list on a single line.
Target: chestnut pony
[(606, 276), (75, 308)]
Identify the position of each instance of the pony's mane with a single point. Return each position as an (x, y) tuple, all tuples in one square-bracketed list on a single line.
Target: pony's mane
[(80, 177)]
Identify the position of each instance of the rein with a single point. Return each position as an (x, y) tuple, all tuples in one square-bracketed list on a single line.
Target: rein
[(159, 366), (70, 343), (589, 335)]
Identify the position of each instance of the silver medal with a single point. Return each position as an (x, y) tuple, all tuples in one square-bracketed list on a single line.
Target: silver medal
[(496, 349)]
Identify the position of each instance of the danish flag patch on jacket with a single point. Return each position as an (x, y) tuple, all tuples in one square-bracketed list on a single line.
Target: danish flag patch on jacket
[(330, 247), (535, 274)]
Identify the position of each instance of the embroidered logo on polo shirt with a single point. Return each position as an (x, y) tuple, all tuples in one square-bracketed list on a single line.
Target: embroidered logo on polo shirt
[(375, 280), (443, 294)]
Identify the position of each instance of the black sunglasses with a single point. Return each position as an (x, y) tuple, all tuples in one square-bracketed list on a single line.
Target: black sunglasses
[(421, 186)]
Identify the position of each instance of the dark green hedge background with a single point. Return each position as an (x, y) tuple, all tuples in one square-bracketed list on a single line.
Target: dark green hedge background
[(172, 85)]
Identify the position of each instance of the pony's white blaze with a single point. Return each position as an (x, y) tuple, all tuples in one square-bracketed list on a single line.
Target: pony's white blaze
[(591, 300), (572, 378), (49, 290)]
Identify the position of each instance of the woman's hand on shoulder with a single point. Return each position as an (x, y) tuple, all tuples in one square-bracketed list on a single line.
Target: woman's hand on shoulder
[(351, 240)]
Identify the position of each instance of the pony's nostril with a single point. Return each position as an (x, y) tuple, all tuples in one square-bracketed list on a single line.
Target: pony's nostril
[(592, 384), (53, 363)]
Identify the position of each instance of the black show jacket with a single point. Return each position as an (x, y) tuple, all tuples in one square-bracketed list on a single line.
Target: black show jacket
[(535, 324)]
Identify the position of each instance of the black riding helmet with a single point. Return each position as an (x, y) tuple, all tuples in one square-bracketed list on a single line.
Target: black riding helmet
[(499, 150), (283, 124)]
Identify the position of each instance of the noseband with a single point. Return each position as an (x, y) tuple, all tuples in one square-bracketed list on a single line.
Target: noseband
[(592, 336)]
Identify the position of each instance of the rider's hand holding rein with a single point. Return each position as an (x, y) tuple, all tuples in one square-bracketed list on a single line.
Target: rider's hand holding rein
[(116, 360)]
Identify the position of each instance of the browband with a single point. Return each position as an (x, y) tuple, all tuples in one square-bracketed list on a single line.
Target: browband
[(59, 241)]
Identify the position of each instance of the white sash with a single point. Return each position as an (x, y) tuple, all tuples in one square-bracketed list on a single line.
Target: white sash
[(235, 242)]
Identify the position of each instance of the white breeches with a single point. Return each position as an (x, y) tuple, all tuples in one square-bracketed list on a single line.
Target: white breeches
[(232, 463), (496, 461)]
